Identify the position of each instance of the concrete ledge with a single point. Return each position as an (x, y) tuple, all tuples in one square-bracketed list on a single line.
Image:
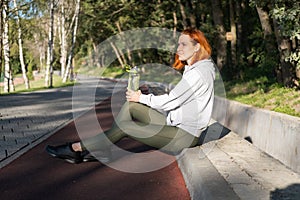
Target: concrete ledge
[(202, 178), (232, 168), (274, 133)]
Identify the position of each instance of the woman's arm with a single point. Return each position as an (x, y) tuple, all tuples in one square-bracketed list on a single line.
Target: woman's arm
[(187, 87)]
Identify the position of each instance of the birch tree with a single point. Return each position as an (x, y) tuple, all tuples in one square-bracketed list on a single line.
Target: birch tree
[(26, 80), (8, 76), (49, 62), (1, 31), (69, 68), (63, 39)]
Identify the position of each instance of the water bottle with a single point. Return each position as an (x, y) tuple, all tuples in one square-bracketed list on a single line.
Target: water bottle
[(134, 79)]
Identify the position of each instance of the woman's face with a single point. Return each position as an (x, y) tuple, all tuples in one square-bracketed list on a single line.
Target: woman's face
[(186, 48)]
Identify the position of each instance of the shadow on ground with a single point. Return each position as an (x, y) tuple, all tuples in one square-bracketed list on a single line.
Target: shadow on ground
[(292, 192), (214, 131)]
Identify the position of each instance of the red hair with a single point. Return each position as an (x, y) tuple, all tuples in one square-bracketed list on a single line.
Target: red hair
[(203, 53)]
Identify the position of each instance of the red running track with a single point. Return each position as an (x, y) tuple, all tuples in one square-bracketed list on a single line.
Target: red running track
[(36, 175)]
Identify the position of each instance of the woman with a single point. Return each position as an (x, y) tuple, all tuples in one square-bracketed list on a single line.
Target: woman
[(188, 108)]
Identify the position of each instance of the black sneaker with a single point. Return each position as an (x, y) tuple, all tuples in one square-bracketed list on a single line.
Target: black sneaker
[(88, 157), (65, 152), (104, 156)]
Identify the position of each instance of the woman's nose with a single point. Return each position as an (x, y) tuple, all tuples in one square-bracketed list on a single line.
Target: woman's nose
[(178, 48)]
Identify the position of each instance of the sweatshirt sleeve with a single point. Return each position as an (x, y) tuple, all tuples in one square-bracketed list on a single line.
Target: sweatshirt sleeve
[(189, 83)]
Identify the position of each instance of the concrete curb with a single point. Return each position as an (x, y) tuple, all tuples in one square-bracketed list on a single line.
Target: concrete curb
[(232, 168), (202, 178), (274, 133)]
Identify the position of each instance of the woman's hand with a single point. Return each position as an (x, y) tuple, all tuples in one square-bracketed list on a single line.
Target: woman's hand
[(133, 96)]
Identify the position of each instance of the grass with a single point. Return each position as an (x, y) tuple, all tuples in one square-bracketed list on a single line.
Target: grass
[(271, 97), (38, 85)]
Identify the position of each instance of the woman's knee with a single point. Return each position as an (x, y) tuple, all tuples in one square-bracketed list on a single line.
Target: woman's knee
[(135, 105)]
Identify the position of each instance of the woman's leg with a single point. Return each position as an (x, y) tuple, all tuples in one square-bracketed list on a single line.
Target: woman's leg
[(136, 121), (163, 137), (143, 124), (149, 127), (128, 113)]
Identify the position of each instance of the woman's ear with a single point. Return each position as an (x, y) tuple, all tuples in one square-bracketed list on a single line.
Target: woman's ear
[(197, 47)]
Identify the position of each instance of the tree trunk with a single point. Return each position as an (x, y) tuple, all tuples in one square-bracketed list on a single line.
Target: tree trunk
[(11, 81), (42, 56), (183, 14), (285, 70), (63, 40), (95, 57), (117, 54), (265, 21), (8, 80), (49, 64), (239, 31), (267, 29), (1, 34), (69, 69), (126, 46), (192, 14), (221, 41), (175, 25), (26, 80), (162, 16), (233, 32)]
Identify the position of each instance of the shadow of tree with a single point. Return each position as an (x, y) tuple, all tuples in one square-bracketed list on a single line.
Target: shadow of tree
[(292, 192)]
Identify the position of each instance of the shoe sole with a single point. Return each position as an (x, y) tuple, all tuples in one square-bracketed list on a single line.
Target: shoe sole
[(72, 161), (89, 160), (103, 160)]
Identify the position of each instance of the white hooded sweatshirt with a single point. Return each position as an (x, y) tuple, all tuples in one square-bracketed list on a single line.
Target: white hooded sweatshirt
[(189, 105)]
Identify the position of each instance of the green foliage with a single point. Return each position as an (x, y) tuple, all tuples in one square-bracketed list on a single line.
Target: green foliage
[(264, 71), (287, 13), (30, 72), (14, 58), (273, 97)]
